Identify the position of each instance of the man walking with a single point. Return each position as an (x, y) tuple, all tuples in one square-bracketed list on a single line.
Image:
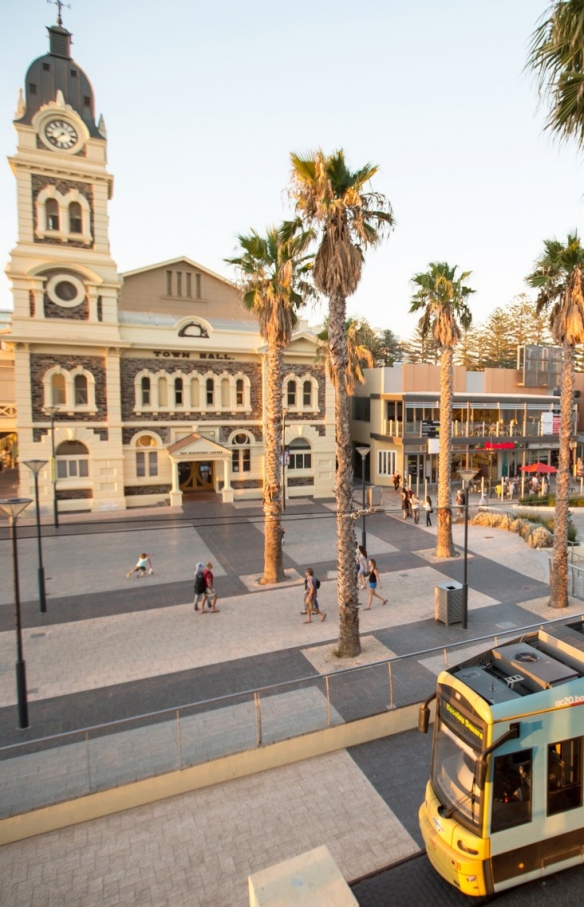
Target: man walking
[(310, 600)]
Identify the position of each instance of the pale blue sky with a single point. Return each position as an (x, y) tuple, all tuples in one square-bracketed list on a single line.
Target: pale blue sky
[(204, 102)]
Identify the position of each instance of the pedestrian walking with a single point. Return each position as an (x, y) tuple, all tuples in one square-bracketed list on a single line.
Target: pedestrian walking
[(396, 481), (312, 585), (210, 593), (416, 508), (405, 505), (429, 509), (374, 584), (200, 587), (143, 566), (363, 569)]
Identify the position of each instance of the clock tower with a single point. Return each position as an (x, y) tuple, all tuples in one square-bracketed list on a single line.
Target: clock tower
[(65, 282)]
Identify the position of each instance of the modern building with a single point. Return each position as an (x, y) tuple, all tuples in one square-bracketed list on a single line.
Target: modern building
[(502, 419), (143, 386)]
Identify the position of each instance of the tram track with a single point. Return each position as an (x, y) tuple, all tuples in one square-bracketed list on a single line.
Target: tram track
[(411, 881)]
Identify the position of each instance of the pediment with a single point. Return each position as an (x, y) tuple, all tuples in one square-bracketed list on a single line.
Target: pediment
[(196, 445)]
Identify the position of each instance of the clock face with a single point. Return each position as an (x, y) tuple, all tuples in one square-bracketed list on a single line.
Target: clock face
[(61, 134)]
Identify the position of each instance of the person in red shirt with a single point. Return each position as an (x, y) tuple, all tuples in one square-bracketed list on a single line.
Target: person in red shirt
[(210, 591)]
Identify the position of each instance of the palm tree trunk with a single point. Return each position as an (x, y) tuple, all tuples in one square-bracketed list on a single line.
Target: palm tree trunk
[(559, 571), (273, 532), (444, 546), (347, 591)]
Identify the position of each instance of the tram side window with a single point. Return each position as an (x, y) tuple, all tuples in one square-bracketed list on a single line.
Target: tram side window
[(511, 790), (564, 776)]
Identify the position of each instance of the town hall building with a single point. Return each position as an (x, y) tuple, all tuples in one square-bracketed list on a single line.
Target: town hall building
[(145, 387)]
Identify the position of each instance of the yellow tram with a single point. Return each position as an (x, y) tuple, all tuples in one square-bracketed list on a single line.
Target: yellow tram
[(504, 802)]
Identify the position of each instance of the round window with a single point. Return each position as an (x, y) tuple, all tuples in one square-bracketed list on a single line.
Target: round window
[(66, 290), (240, 439)]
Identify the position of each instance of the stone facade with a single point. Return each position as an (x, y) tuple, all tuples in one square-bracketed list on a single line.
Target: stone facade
[(63, 187), (40, 364), (187, 367), (131, 490), (74, 494)]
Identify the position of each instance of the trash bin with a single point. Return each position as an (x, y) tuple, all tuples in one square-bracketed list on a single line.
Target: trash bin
[(449, 602)]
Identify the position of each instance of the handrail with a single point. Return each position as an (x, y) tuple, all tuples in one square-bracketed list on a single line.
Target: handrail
[(286, 683)]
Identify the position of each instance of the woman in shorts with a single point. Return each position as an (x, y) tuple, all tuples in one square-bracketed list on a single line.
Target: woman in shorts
[(374, 584)]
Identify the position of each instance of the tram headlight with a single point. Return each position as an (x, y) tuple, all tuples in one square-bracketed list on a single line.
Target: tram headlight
[(462, 846)]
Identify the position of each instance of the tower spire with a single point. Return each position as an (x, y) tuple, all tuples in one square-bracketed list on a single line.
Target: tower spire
[(59, 4)]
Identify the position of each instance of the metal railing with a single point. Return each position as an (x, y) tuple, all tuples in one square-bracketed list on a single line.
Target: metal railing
[(396, 428), (66, 766)]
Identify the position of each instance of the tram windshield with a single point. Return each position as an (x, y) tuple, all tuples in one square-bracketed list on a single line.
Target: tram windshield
[(453, 765)]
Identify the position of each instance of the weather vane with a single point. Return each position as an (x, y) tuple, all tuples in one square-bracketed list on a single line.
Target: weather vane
[(59, 5)]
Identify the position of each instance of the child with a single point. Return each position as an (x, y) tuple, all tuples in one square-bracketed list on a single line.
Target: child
[(143, 566)]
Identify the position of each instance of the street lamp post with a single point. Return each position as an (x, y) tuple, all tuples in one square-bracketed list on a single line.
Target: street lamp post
[(363, 453), (35, 467), (51, 411), (12, 507), (284, 414), (466, 475)]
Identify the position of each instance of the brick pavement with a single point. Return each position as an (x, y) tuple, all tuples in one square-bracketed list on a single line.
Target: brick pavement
[(197, 849)]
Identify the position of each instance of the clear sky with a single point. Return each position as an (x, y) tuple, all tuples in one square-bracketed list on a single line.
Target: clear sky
[(203, 103)]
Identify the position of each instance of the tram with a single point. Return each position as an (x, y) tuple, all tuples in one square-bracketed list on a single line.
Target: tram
[(504, 802)]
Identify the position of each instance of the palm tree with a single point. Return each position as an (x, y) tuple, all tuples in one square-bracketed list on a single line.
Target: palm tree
[(442, 295), (350, 218), (359, 354), (558, 277), (556, 54), (272, 271)]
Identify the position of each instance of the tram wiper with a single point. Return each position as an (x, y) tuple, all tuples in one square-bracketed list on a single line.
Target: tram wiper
[(448, 813)]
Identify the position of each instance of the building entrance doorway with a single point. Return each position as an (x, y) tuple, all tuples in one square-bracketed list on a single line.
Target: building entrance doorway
[(196, 476)]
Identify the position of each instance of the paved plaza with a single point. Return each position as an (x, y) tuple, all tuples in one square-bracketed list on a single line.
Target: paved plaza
[(111, 648)]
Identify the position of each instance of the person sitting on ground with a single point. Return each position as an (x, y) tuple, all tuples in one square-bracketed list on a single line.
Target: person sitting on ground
[(143, 566)]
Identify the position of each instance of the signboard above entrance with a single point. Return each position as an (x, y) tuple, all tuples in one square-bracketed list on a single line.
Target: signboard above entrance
[(430, 428)]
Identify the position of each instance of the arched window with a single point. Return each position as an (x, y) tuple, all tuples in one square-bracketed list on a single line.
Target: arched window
[(80, 390), (72, 460), (145, 391), (300, 454), (291, 393), (162, 393), (307, 394), (58, 390), (75, 218), (225, 393), (239, 392), (241, 453), (210, 391), (146, 456), (52, 214), (178, 391), (195, 394)]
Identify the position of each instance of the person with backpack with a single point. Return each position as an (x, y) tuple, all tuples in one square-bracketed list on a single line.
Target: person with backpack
[(310, 600), (200, 587)]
